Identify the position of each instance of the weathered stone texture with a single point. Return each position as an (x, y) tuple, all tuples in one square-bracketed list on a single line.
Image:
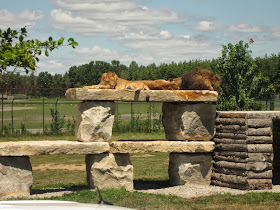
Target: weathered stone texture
[(15, 176), (95, 120), (143, 95), (189, 121), (139, 146), (27, 148), (244, 161), (109, 170), (187, 168)]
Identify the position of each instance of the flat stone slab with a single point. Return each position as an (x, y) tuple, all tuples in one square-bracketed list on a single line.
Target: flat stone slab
[(84, 94), (27, 148), (139, 146), (250, 114)]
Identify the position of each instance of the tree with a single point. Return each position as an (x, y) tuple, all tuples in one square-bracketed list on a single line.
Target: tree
[(16, 52), (240, 77)]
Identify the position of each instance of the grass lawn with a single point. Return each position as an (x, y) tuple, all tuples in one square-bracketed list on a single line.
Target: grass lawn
[(34, 112), (47, 176)]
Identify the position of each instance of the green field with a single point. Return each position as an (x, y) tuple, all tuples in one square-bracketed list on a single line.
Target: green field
[(34, 113), (67, 172)]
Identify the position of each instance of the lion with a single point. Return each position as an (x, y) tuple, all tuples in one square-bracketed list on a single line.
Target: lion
[(110, 80), (200, 79), (161, 84)]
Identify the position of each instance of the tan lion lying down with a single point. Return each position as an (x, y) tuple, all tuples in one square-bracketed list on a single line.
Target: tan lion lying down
[(112, 81), (199, 79)]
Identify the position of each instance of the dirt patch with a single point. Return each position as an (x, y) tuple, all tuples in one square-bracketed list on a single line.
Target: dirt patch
[(140, 156), (5, 109), (49, 166)]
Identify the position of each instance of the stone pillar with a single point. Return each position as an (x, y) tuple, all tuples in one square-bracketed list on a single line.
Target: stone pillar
[(108, 170), (15, 176), (244, 149), (95, 120), (189, 121), (190, 168)]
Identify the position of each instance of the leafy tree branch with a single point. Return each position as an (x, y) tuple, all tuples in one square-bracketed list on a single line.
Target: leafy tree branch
[(17, 52)]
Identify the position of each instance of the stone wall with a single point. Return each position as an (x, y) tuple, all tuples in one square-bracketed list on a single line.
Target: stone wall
[(276, 151), (243, 152)]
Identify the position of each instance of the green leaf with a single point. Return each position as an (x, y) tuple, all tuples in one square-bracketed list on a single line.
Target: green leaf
[(60, 41), (46, 53), (20, 38), (71, 40), (74, 44)]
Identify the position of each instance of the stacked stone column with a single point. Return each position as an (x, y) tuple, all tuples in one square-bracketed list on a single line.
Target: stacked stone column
[(243, 152), (187, 116)]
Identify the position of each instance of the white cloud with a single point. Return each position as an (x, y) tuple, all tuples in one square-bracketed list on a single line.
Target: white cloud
[(51, 66), (19, 20), (246, 28), (205, 26), (109, 18), (97, 53), (275, 32)]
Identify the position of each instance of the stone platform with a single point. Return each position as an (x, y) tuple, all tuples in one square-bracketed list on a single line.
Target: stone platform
[(187, 114), (108, 165), (83, 94)]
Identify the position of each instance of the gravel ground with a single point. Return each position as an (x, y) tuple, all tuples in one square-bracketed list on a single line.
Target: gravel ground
[(191, 191), (185, 191)]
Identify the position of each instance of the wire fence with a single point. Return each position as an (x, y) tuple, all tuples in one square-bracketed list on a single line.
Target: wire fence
[(45, 115), (22, 113)]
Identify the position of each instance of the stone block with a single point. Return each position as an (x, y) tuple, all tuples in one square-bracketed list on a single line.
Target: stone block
[(27, 148), (186, 168), (85, 94), (142, 146), (95, 120), (109, 170), (186, 121), (15, 177)]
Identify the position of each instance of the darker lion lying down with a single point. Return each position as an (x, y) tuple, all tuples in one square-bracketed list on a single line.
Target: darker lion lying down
[(199, 79)]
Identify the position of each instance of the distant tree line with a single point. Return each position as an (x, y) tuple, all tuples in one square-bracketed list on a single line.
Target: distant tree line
[(90, 74)]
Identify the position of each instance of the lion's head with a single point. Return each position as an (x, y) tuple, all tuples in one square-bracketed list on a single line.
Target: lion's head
[(110, 79)]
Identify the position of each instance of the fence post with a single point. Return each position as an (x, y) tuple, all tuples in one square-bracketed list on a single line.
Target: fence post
[(271, 105), (131, 117), (12, 112), (56, 105), (150, 109), (117, 116), (43, 115), (2, 111)]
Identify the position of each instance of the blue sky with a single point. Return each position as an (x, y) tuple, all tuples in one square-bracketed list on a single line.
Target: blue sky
[(145, 31)]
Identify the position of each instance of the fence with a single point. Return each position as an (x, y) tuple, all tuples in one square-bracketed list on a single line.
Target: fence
[(20, 113), (55, 115)]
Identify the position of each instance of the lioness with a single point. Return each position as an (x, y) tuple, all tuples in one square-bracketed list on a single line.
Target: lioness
[(111, 81)]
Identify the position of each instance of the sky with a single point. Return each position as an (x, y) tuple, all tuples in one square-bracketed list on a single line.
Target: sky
[(145, 31)]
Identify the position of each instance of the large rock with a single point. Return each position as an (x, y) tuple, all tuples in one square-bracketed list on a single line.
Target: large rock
[(185, 168), (95, 120), (85, 94), (139, 146), (109, 170), (27, 148), (183, 121), (15, 176)]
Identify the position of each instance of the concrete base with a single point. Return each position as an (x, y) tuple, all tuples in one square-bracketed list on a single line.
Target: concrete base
[(94, 121), (189, 121), (15, 177), (189, 168), (109, 170)]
